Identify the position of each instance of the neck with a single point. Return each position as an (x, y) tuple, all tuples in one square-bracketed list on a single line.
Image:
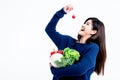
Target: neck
[(84, 39)]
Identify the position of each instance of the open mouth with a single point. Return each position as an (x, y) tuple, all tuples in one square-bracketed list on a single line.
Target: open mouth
[(82, 29)]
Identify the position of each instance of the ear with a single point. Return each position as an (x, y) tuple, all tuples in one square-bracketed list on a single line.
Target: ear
[(93, 32)]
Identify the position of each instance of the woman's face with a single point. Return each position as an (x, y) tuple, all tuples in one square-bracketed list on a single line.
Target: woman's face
[(86, 29)]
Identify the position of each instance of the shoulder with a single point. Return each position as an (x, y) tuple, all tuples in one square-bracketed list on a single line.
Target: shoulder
[(91, 50), (93, 47)]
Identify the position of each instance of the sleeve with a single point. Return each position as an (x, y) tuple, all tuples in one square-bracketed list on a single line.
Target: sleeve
[(51, 27), (86, 62)]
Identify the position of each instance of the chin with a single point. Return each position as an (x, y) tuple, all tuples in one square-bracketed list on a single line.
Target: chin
[(79, 33)]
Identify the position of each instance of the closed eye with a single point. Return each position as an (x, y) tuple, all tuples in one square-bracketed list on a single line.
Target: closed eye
[(87, 23)]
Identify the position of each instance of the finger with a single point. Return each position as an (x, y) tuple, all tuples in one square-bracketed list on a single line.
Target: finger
[(68, 8)]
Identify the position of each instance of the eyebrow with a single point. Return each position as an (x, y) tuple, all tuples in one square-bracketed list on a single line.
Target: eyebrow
[(87, 22)]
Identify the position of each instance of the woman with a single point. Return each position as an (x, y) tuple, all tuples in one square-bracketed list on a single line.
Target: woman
[(90, 44)]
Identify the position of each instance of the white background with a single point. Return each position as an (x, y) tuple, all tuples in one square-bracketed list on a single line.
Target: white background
[(25, 47)]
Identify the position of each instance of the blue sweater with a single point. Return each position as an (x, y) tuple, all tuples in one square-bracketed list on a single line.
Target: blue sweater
[(81, 70)]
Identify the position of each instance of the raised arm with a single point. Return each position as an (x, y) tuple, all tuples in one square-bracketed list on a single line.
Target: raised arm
[(50, 29)]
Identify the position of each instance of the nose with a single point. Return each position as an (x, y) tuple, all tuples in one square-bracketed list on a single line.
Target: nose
[(83, 25)]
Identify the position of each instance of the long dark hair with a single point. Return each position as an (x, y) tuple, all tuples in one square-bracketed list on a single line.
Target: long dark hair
[(98, 38)]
